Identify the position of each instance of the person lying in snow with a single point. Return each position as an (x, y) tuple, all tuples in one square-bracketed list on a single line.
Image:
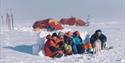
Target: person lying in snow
[(77, 45), (98, 35), (51, 47)]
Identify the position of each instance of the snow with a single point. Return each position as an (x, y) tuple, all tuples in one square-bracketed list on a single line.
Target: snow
[(16, 46)]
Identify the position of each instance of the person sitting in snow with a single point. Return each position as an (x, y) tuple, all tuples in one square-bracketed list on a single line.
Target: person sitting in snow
[(61, 38), (77, 46), (87, 47), (99, 35), (68, 40), (51, 47)]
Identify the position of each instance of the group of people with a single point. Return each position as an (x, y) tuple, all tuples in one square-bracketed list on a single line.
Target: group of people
[(64, 44), (58, 44)]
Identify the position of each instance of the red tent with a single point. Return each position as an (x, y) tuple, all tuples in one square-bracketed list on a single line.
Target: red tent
[(48, 23), (63, 21), (72, 21), (80, 22)]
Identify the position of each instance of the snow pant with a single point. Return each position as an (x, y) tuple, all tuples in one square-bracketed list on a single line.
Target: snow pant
[(103, 45), (68, 49), (74, 48), (56, 52), (77, 49), (62, 46), (97, 45)]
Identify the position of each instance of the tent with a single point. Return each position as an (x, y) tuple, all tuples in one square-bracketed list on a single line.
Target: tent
[(73, 21), (49, 24)]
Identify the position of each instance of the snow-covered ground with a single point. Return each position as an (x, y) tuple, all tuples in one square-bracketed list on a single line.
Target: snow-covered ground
[(15, 46)]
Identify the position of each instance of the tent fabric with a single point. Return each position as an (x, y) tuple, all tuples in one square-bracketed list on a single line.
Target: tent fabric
[(72, 21), (63, 21), (80, 22), (46, 23)]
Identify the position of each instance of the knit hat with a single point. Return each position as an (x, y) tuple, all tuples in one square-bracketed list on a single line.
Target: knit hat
[(60, 34), (48, 36), (69, 33), (97, 31), (54, 34), (77, 33)]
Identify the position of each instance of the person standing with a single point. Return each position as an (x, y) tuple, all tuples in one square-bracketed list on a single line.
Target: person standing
[(98, 35)]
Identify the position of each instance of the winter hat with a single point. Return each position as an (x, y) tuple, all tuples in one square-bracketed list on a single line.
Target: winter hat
[(69, 33), (48, 36), (60, 34), (98, 31), (54, 34), (77, 33)]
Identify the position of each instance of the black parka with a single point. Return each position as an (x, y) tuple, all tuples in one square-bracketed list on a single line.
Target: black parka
[(94, 37)]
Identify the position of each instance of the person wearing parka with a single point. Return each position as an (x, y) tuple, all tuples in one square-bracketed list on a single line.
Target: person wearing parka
[(68, 40), (98, 35), (51, 48), (61, 43), (77, 46)]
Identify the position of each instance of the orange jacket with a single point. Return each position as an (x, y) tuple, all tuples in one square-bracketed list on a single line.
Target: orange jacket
[(58, 41), (47, 50), (86, 46)]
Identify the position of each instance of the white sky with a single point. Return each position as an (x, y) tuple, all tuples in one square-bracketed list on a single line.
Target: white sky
[(41, 9)]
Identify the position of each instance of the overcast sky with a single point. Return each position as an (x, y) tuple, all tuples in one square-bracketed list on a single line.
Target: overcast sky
[(40, 9)]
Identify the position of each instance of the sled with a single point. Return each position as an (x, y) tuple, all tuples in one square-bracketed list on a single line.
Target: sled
[(108, 48)]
